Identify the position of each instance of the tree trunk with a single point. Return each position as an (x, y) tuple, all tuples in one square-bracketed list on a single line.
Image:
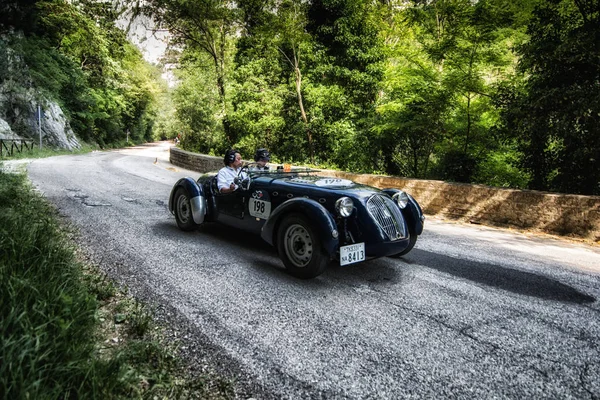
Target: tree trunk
[(303, 112), (467, 138)]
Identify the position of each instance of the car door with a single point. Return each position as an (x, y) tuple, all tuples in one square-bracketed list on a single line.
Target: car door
[(231, 204)]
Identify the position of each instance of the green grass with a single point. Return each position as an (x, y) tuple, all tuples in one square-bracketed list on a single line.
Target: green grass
[(36, 152), (67, 332)]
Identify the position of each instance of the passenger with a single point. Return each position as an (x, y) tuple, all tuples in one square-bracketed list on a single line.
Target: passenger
[(231, 170), (262, 157)]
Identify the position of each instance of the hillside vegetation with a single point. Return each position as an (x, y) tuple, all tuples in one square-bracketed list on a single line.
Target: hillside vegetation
[(72, 53), (498, 92), (505, 93)]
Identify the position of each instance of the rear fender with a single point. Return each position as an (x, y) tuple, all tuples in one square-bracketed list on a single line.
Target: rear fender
[(412, 213), (318, 215), (197, 198)]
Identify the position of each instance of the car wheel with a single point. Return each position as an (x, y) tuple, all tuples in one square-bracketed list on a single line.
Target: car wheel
[(412, 239), (299, 248), (183, 210)]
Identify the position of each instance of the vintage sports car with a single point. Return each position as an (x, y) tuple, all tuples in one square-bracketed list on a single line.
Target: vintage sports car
[(310, 220)]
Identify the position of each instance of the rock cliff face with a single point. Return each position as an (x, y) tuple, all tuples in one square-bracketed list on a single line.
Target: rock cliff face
[(18, 119), (5, 130), (142, 32), (19, 104), (55, 129)]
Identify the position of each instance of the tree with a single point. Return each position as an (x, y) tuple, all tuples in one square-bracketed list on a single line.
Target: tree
[(261, 76), (413, 106), (448, 58), (345, 77), (17, 14), (290, 40), (555, 116), (197, 105), (77, 56), (202, 25)]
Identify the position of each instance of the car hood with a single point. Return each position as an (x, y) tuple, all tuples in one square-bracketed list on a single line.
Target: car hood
[(343, 187)]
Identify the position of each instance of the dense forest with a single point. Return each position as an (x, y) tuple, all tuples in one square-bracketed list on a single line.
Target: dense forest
[(73, 53), (498, 92)]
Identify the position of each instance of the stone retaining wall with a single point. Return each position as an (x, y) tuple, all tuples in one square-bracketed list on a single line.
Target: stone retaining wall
[(194, 161), (559, 214)]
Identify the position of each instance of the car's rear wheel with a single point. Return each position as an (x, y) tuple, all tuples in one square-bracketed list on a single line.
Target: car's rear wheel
[(299, 248), (183, 210), (412, 239)]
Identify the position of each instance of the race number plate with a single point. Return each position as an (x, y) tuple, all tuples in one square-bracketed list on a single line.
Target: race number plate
[(259, 208), (352, 253)]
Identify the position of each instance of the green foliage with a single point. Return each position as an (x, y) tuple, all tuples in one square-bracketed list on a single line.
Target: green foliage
[(500, 168), (75, 55), (166, 124), (555, 114), (198, 106), (204, 27), (302, 90), (350, 44), (47, 316), (4, 63), (427, 89), (268, 105), (51, 312), (17, 14)]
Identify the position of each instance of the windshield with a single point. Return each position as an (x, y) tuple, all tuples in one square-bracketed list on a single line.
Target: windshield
[(279, 172)]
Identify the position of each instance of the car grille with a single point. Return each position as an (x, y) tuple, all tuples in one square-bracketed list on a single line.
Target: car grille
[(387, 215)]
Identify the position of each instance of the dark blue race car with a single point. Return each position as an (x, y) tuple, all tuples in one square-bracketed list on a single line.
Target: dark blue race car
[(310, 220)]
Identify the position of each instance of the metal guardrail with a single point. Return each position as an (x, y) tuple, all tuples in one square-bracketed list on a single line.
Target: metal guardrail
[(15, 144)]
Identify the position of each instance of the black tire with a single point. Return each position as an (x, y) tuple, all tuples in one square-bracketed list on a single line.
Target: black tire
[(183, 210), (411, 243), (299, 247)]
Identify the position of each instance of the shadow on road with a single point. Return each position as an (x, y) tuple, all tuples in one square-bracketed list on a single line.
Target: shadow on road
[(383, 272), (512, 280)]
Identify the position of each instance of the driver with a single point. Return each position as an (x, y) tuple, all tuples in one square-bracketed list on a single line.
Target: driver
[(231, 170), (262, 157)]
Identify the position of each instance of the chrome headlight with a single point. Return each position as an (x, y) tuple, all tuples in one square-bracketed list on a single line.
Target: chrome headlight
[(344, 206), (401, 199)]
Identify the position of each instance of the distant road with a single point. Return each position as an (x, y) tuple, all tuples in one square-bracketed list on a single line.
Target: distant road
[(472, 312)]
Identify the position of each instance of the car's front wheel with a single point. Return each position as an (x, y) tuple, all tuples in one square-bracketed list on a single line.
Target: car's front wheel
[(183, 210), (299, 248)]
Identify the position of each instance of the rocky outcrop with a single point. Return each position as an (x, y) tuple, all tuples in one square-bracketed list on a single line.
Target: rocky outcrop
[(55, 128), (5, 131), (19, 102), (22, 108), (142, 31)]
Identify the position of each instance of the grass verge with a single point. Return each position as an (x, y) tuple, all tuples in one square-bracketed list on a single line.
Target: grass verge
[(66, 331)]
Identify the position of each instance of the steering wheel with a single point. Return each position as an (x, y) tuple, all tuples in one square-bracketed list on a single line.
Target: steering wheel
[(243, 183)]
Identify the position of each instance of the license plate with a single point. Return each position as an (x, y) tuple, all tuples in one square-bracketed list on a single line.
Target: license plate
[(352, 253)]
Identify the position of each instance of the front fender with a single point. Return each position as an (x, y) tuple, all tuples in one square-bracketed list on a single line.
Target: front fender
[(412, 213), (315, 213), (197, 198)]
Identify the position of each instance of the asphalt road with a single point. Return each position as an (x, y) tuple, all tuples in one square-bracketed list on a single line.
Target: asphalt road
[(471, 312)]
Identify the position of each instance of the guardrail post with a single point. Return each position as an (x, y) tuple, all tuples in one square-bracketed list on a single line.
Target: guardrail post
[(15, 144)]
